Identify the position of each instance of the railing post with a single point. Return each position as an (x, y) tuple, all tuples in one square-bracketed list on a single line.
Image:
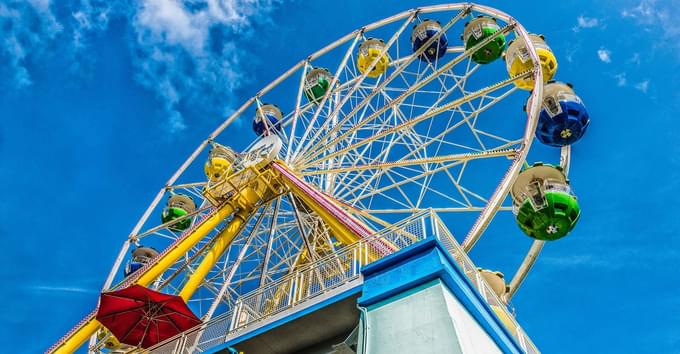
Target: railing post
[(293, 289), (235, 316), (522, 340), (480, 285), (179, 347), (365, 260)]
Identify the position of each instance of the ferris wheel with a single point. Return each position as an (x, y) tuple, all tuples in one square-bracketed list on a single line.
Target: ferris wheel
[(419, 112)]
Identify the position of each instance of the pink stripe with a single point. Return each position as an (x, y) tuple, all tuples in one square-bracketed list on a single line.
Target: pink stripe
[(322, 200)]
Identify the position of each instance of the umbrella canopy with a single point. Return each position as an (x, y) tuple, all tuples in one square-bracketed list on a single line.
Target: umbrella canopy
[(142, 317)]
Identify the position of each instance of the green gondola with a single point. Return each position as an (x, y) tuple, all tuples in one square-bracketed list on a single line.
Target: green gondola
[(545, 207)]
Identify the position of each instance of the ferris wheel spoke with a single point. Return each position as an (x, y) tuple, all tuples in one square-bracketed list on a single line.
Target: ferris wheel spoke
[(446, 164), (227, 281), (429, 114), (416, 162), (270, 239), (358, 82), (418, 86), (296, 111), (333, 82), (397, 71), (415, 180), (393, 103), (381, 157)]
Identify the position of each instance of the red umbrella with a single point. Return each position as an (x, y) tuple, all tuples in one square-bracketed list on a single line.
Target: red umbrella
[(142, 317)]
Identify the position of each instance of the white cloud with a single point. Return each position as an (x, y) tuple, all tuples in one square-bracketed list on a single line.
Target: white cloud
[(604, 55), (621, 79), (658, 18), (176, 59), (635, 59), (90, 16), (185, 51), (645, 11), (642, 86), (28, 28), (64, 289), (585, 22)]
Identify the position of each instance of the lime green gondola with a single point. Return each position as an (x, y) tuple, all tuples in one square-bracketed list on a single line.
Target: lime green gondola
[(478, 30), (317, 82), (544, 205), (179, 205)]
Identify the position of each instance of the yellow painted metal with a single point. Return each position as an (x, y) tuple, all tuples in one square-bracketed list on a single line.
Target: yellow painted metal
[(78, 337), (81, 334), (341, 232), (505, 318), (248, 195), (261, 185), (169, 258), (223, 240), (256, 187)]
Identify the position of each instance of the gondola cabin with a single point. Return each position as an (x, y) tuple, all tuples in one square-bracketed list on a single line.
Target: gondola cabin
[(369, 51), (563, 119), (424, 32), (317, 83), (140, 257), (543, 202), (517, 60), (267, 120), (177, 208), (479, 30)]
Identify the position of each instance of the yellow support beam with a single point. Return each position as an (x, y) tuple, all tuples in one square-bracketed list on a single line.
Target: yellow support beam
[(77, 338), (183, 247), (223, 240), (341, 231), (80, 334), (253, 190)]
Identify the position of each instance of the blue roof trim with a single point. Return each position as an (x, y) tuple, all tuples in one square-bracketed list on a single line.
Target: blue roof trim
[(291, 317), (421, 263)]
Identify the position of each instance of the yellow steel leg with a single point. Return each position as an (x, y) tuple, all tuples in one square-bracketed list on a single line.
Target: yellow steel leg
[(221, 243), (244, 200), (79, 335), (340, 230), (180, 249)]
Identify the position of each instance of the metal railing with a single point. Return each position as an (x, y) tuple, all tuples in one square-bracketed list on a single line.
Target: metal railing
[(326, 274), (484, 289)]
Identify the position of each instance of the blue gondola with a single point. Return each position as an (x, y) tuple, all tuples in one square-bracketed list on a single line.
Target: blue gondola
[(140, 257), (422, 32), (269, 114), (563, 119)]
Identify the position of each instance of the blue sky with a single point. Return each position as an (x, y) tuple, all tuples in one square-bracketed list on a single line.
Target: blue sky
[(100, 101)]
